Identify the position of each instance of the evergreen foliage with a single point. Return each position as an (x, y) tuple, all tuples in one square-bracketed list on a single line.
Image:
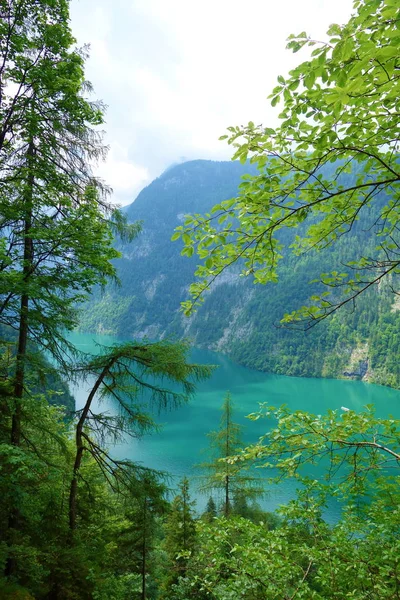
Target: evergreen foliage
[(125, 372), (220, 473), (57, 231), (180, 537), (211, 510)]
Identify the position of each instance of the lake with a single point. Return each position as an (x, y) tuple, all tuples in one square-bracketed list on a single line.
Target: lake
[(178, 447)]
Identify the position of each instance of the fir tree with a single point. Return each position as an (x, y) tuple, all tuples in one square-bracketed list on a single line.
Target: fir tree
[(224, 475), (211, 510), (180, 535)]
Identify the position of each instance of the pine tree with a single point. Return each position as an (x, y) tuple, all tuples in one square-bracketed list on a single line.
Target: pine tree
[(180, 535), (211, 510), (221, 474), (148, 506), (56, 223)]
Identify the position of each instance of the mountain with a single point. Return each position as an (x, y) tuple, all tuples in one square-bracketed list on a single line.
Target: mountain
[(154, 276), (238, 317)]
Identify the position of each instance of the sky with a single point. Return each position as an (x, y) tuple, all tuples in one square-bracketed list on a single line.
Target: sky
[(175, 74)]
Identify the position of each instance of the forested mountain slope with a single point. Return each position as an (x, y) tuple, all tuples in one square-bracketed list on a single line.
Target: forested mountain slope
[(237, 317)]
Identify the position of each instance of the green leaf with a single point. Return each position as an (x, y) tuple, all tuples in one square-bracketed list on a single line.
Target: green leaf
[(310, 80)]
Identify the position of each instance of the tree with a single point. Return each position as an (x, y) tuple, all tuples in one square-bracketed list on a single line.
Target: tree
[(334, 153), (357, 445), (55, 243), (148, 505), (33, 480), (180, 536), (56, 224), (221, 473), (211, 510), (125, 372)]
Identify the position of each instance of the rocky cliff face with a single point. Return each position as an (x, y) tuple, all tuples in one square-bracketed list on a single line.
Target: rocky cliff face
[(359, 371), (358, 366)]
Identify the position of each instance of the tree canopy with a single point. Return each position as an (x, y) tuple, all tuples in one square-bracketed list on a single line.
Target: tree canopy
[(334, 152)]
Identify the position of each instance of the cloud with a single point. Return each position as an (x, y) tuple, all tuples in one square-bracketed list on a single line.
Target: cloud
[(124, 177), (176, 73)]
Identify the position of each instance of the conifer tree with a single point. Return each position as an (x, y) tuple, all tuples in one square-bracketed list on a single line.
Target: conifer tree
[(126, 372), (55, 235), (180, 535), (55, 221), (149, 505), (221, 474), (211, 510)]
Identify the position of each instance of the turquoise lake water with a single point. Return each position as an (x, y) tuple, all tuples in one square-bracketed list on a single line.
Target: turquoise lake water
[(177, 448)]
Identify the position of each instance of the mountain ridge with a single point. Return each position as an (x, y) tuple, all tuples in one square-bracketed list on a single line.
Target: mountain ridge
[(239, 318)]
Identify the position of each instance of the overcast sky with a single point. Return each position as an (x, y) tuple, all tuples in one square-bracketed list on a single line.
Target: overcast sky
[(176, 73)]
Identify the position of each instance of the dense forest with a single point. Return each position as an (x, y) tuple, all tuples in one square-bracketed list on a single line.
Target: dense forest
[(77, 523)]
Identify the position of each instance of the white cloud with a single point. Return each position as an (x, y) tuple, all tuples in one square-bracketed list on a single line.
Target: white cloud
[(176, 73), (124, 177)]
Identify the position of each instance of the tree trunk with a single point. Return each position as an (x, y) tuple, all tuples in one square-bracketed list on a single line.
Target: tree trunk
[(19, 379), (27, 270), (144, 550), (227, 454), (80, 447), (20, 371), (227, 503)]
